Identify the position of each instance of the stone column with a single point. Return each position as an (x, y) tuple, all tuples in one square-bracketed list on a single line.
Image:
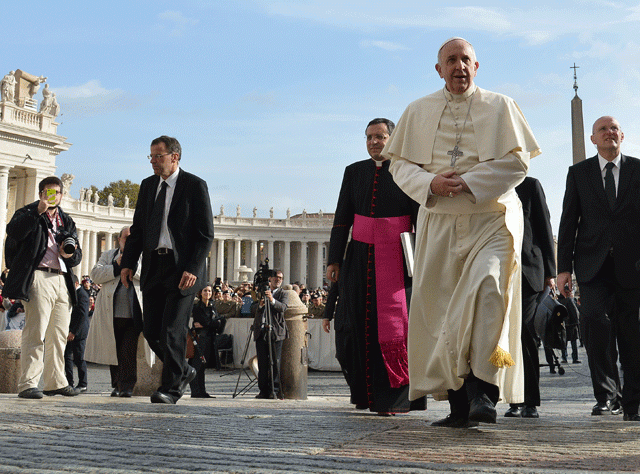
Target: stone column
[(253, 257), (237, 254), (213, 261), (84, 244), (220, 259), (4, 187), (271, 252), (286, 262), (304, 247), (93, 242)]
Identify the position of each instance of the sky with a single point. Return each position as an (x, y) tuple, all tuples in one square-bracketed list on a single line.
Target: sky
[(270, 100)]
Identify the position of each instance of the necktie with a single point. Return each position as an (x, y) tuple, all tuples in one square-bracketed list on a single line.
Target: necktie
[(155, 222), (610, 185)]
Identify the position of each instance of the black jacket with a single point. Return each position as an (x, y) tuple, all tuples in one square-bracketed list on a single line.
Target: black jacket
[(79, 325), (279, 325), (190, 223), (538, 247), (590, 229), (29, 231)]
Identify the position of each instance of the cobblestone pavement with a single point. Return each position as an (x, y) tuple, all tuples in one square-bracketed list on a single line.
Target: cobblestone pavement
[(94, 433)]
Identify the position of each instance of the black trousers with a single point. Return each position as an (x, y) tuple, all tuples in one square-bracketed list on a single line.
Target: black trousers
[(74, 355), (530, 356), (204, 344), (262, 352), (166, 316), (125, 375), (609, 317)]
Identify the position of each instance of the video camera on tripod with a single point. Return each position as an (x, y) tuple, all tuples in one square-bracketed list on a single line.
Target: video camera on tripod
[(261, 278)]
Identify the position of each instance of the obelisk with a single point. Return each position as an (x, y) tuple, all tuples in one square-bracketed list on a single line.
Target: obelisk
[(577, 125)]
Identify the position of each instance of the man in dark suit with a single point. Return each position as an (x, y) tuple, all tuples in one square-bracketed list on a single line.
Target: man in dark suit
[(275, 296), (173, 230), (538, 272), (77, 338), (599, 239)]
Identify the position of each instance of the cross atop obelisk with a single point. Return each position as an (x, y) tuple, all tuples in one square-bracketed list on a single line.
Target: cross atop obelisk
[(577, 125)]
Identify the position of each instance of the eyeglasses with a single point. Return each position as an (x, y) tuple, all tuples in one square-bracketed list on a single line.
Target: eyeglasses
[(158, 156)]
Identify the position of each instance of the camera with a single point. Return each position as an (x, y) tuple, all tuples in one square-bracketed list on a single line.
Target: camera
[(261, 278), (67, 241)]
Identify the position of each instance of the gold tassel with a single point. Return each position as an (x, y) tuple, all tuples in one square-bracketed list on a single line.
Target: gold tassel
[(501, 358)]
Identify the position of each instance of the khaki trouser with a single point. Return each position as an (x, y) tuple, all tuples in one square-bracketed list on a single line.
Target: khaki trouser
[(44, 337)]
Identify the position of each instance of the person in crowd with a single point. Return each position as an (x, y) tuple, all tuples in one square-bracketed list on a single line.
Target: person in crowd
[(538, 272), (87, 284), (269, 376), (117, 321), (15, 316), (316, 309), (599, 240), (460, 152), (573, 327), (372, 312), (77, 339), (41, 249), (203, 316), (305, 297), (226, 306), (173, 231)]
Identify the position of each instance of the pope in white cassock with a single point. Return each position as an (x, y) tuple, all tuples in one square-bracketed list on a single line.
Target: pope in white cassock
[(460, 152)]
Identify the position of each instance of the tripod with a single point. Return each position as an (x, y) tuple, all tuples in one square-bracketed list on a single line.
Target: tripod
[(266, 324)]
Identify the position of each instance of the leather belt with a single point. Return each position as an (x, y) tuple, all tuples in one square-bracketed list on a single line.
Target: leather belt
[(50, 270), (164, 251)]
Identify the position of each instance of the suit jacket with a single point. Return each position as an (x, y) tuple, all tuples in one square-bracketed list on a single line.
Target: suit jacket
[(190, 223), (590, 228), (79, 325), (538, 247), (277, 315)]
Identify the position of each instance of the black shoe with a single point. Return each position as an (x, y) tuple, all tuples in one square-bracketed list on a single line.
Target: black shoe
[(564, 360), (201, 395), (455, 421), (362, 406), (67, 391), (160, 397), (481, 409), (631, 417), (552, 370), (81, 389), (115, 393), (126, 394), (514, 411), (530, 412), (191, 374), (576, 361), (267, 396), (606, 408), (32, 393)]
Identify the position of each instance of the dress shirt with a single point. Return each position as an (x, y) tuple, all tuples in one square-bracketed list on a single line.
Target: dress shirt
[(165, 237), (615, 170), (52, 257)]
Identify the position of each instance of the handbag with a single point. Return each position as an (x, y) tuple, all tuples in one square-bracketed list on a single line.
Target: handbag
[(191, 349)]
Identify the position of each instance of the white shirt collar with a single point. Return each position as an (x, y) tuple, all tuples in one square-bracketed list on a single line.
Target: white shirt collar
[(603, 162), (171, 180)]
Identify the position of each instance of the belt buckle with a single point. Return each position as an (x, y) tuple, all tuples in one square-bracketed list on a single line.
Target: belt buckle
[(163, 251)]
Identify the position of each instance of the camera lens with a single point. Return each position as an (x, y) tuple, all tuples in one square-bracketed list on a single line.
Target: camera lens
[(69, 245)]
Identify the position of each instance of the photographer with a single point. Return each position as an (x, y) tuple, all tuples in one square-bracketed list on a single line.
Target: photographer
[(41, 248), (276, 328)]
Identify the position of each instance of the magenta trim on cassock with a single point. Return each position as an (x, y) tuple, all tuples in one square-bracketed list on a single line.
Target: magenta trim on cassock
[(391, 299)]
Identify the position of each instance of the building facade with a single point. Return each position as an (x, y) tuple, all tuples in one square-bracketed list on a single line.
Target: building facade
[(29, 145)]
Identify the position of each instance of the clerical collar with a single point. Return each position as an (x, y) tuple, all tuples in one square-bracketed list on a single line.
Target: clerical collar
[(460, 97)]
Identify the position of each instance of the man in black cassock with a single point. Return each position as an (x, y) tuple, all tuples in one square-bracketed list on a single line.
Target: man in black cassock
[(371, 318)]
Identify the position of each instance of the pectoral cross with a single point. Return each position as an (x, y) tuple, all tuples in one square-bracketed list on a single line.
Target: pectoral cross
[(455, 153)]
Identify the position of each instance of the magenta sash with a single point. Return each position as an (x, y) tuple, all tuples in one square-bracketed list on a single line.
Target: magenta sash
[(391, 299)]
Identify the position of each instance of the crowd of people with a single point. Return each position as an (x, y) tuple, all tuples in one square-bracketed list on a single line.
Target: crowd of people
[(441, 256)]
